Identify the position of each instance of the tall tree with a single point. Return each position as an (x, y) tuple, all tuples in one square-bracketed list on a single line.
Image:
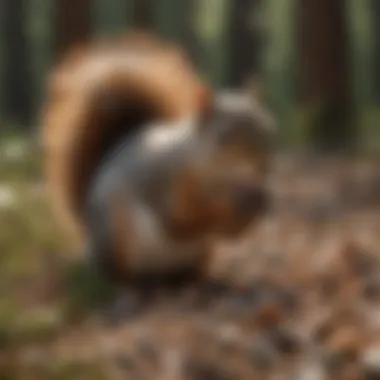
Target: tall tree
[(188, 37), (323, 71), (142, 13), (211, 21), (245, 41), (375, 5), (170, 18), (73, 22), (109, 16), (17, 78)]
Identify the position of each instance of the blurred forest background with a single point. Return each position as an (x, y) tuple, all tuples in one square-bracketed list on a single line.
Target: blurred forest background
[(318, 59)]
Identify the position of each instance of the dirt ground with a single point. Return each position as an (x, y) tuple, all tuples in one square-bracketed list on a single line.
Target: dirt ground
[(297, 298)]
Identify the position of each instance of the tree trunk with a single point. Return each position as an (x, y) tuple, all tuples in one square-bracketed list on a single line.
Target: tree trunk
[(245, 42), (17, 78), (212, 34), (189, 36), (170, 19), (109, 16), (142, 14), (73, 20), (323, 71), (375, 7)]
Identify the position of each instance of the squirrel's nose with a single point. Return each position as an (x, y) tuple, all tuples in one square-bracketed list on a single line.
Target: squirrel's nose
[(251, 200)]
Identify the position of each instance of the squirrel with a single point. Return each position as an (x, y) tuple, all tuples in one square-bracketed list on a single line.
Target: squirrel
[(147, 164)]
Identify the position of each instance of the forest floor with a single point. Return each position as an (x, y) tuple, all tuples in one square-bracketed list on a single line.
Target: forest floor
[(298, 296)]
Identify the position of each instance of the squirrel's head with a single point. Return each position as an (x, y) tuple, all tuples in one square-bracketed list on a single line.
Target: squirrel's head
[(222, 189)]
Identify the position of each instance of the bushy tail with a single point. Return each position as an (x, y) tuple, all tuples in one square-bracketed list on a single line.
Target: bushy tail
[(100, 92)]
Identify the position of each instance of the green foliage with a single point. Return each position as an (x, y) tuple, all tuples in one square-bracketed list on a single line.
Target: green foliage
[(29, 239), (84, 291), (43, 291)]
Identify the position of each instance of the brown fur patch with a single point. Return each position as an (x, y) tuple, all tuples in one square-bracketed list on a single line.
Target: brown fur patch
[(195, 213)]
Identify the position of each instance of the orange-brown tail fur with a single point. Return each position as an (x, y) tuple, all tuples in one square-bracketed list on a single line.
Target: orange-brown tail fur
[(98, 93)]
